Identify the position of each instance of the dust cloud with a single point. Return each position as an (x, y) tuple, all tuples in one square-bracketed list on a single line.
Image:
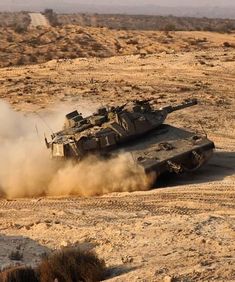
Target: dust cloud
[(26, 169), (97, 177)]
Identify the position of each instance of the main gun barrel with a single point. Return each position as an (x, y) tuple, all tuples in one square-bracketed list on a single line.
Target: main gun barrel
[(186, 104)]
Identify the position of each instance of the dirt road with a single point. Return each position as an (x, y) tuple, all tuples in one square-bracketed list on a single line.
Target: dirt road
[(38, 19)]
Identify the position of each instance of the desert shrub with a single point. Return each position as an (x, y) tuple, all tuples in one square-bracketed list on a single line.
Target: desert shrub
[(20, 61), (51, 16), (228, 45), (20, 28), (49, 56), (10, 38), (33, 59), (19, 274), (73, 55), (71, 265), (170, 27), (65, 48)]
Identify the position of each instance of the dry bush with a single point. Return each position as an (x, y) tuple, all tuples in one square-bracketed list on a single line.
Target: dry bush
[(33, 59), (71, 265), (51, 16), (227, 44), (170, 27), (19, 274), (20, 28), (68, 265), (20, 61)]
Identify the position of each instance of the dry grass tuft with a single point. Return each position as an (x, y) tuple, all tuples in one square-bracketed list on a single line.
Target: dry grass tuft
[(71, 265), (19, 274), (68, 265)]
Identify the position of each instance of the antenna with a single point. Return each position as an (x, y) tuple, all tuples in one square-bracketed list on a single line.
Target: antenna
[(203, 129), (46, 142), (44, 121)]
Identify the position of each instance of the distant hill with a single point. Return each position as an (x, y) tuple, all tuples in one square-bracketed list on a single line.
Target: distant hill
[(220, 9), (144, 22)]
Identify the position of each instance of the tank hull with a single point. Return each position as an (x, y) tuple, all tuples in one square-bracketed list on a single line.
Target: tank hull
[(169, 149)]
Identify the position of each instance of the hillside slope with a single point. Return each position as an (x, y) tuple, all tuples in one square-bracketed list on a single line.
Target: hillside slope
[(43, 44)]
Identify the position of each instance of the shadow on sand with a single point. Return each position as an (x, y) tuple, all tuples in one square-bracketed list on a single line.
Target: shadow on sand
[(19, 250), (117, 271), (221, 165)]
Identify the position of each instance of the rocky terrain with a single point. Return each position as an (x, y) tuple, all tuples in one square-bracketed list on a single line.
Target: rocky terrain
[(43, 44), (183, 230)]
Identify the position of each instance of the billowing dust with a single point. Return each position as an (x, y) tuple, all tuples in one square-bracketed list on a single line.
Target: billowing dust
[(26, 169)]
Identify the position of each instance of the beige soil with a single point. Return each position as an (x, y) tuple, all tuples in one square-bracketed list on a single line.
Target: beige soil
[(183, 232)]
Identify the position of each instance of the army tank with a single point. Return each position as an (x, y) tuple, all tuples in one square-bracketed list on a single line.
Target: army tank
[(136, 128)]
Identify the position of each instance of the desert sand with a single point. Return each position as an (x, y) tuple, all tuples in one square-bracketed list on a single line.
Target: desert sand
[(182, 231)]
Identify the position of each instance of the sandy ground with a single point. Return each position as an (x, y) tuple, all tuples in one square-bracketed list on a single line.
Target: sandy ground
[(182, 231)]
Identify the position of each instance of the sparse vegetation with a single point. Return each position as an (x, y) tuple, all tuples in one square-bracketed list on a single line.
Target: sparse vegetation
[(42, 44), (51, 16), (109, 35), (68, 265), (19, 28), (228, 45), (19, 21), (19, 274), (141, 22), (72, 265), (170, 27)]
